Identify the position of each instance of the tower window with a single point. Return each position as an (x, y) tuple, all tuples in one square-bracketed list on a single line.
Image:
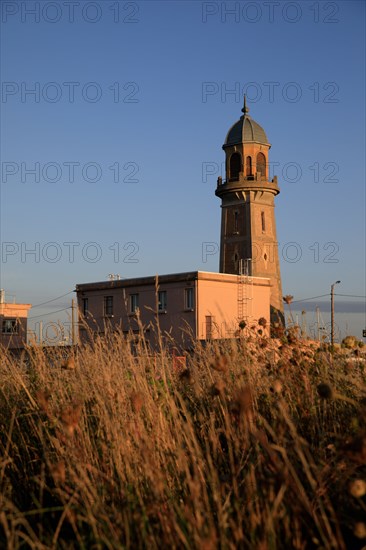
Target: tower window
[(235, 166), (248, 166), (263, 219), (236, 221), (261, 164)]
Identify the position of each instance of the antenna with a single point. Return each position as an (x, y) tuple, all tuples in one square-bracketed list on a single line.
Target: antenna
[(114, 276)]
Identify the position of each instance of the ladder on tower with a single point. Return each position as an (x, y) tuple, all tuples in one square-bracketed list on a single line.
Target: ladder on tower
[(245, 290)]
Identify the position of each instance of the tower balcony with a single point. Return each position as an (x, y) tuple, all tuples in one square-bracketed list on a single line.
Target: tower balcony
[(255, 182)]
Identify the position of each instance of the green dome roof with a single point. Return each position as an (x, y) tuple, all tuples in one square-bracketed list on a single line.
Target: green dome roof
[(246, 130)]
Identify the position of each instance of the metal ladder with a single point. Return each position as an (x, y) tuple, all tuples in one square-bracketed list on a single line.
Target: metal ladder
[(245, 290)]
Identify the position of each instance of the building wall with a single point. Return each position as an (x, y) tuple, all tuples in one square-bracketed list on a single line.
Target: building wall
[(176, 322), (248, 230), (13, 314), (219, 299)]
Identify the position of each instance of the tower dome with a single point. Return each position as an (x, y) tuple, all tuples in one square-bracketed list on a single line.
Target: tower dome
[(245, 130)]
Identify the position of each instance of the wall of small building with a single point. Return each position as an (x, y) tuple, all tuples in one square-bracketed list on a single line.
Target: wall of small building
[(176, 323), (13, 315), (218, 305)]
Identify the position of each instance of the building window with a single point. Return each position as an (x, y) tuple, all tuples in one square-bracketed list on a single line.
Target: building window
[(263, 219), (188, 298), (85, 306), (261, 164), (248, 166), (162, 300), (10, 326), (235, 166), (134, 303), (108, 306)]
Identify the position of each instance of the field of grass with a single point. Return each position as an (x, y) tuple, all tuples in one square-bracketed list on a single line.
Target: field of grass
[(258, 443)]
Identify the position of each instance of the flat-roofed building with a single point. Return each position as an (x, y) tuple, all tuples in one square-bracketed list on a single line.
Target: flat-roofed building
[(188, 306)]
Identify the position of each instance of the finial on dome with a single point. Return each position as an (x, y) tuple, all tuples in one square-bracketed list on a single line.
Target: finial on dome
[(245, 109)]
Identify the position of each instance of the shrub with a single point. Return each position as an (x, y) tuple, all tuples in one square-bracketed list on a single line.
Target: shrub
[(350, 342), (240, 449)]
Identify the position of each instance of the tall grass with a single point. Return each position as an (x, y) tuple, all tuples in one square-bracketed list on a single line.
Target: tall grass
[(255, 444)]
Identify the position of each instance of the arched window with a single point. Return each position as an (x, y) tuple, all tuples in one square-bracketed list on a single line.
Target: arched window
[(248, 166), (235, 166), (261, 164)]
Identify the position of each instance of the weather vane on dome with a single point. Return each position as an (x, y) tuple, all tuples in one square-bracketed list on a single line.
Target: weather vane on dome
[(245, 109)]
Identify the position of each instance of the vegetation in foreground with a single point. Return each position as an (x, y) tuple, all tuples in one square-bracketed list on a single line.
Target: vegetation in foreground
[(256, 443)]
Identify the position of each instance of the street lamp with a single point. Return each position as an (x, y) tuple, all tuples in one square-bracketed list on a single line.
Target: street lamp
[(332, 311)]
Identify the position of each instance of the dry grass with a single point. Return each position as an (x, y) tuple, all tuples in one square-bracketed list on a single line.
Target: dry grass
[(254, 445)]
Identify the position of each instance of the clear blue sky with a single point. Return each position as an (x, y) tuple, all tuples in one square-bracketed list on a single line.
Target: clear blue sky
[(145, 86)]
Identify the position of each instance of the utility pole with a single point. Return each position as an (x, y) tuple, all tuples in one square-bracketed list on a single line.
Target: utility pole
[(332, 311), (41, 333), (73, 322), (303, 324)]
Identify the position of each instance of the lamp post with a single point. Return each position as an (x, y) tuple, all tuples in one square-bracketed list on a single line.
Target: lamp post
[(332, 312)]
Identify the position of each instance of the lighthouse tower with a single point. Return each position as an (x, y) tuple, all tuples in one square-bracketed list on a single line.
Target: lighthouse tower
[(248, 225)]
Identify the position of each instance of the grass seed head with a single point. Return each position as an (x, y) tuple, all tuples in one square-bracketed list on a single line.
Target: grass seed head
[(218, 388), (357, 488), (325, 391), (186, 376), (277, 386), (58, 472), (43, 398), (137, 401), (242, 404), (220, 364), (360, 530), (69, 364), (70, 417)]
